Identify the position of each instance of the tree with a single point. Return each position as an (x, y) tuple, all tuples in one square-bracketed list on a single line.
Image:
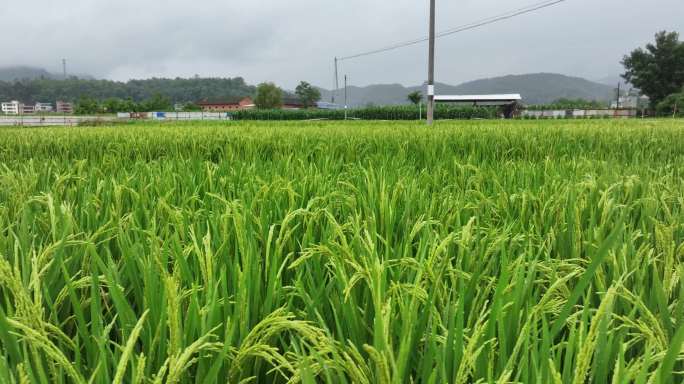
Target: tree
[(157, 103), (87, 106), (268, 96), (191, 107), (307, 94), (415, 97), (657, 70), (672, 105)]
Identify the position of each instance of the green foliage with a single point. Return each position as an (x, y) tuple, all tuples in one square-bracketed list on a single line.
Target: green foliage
[(90, 106), (356, 252), (157, 102), (415, 97), (87, 106), (403, 112), (268, 96), (658, 70), (191, 107), (177, 90), (672, 105), (307, 94), (564, 103)]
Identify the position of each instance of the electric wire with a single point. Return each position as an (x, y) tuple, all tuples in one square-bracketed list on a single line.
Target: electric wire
[(462, 28)]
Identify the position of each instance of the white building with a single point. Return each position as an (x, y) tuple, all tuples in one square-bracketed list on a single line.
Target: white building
[(632, 100), (11, 108), (43, 107)]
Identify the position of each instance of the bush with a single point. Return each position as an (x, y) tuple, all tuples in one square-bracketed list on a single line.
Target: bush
[(667, 107), (403, 112)]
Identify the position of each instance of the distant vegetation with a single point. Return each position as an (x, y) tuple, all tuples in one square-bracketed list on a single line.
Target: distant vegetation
[(175, 90), (399, 112), (90, 106), (541, 88), (561, 104)]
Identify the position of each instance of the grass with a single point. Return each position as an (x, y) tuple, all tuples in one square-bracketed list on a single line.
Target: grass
[(481, 251)]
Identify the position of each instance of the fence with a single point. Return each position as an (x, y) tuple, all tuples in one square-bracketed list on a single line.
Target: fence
[(46, 121), (175, 116), (580, 113)]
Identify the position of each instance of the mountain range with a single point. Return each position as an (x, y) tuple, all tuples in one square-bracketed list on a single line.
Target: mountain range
[(31, 73), (537, 88)]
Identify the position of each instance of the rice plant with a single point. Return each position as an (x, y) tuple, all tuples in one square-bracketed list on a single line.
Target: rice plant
[(480, 251)]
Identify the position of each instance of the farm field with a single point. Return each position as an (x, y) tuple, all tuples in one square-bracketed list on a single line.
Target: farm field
[(348, 252)]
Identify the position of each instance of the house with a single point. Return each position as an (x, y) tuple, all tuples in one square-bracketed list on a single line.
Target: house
[(227, 105), (632, 100), (11, 108), (64, 107), (43, 107), (292, 103), (27, 109), (508, 104)]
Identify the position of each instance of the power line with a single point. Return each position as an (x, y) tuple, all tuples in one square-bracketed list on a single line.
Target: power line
[(462, 28)]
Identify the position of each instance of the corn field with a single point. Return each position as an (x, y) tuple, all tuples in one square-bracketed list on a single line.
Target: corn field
[(358, 252), (397, 112)]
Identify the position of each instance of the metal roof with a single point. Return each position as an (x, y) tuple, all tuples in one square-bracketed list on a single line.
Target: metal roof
[(479, 98)]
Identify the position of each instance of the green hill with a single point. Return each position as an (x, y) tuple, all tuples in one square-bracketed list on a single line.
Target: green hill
[(24, 73), (538, 88)]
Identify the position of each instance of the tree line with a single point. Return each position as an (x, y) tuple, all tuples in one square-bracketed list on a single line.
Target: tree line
[(176, 90)]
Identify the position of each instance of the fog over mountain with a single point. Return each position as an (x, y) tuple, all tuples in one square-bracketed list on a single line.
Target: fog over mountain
[(289, 41)]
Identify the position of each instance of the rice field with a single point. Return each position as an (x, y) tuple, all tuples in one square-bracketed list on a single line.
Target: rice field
[(383, 252)]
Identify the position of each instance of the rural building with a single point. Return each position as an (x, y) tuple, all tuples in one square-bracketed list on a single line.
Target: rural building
[(292, 103), (11, 108), (43, 107), (227, 106), (509, 103), (64, 107), (327, 105), (27, 109), (633, 100)]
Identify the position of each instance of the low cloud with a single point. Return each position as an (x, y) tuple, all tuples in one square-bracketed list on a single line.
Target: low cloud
[(290, 41)]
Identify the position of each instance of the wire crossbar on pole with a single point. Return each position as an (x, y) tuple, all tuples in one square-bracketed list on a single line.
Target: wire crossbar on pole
[(462, 28)]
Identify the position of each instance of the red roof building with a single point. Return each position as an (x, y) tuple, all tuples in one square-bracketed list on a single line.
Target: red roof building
[(227, 106)]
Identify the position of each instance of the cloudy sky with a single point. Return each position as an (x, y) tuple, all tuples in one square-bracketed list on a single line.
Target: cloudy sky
[(289, 41)]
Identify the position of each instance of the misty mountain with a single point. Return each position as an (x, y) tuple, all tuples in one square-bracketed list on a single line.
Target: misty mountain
[(22, 73), (32, 73), (539, 88)]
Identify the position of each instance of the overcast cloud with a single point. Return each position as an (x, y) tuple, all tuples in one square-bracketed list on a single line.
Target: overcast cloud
[(289, 41)]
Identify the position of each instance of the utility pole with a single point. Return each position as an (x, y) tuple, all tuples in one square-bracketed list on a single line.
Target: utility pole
[(64, 71), (431, 67), (617, 102), (337, 83), (345, 97)]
